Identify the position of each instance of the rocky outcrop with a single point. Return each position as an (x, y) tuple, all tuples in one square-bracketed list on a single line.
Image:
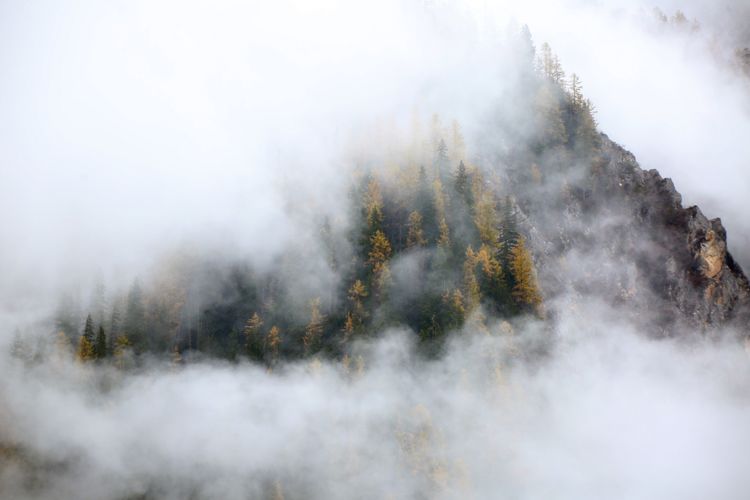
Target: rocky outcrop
[(608, 228)]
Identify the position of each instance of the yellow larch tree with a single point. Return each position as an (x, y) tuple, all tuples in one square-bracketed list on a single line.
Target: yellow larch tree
[(314, 328), (526, 289), (272, 343), (415, 236)]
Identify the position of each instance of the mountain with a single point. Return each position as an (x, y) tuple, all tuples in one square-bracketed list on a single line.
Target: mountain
[(625, 236)]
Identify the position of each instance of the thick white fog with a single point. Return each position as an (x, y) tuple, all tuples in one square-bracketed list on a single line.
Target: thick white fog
[(130, 130), (607, 415)]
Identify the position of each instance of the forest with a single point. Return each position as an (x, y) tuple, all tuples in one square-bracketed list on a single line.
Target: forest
[(432, 242)]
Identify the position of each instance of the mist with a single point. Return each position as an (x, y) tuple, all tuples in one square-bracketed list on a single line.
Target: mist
[(188, 144), (607, 414)]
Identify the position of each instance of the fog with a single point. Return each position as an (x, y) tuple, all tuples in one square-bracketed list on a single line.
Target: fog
[(606, 415), (132, 131), (129, 129)]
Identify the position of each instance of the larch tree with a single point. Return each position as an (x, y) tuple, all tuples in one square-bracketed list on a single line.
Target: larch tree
[(380, 252), (575, 91), (373, 204), (122, 349), (415, 236), (550, 124), (272, 345), (485, 218), (314, 329), (63, 346), (85, 351), (472, 293), (525, 289), (355, 316), (252, 335)]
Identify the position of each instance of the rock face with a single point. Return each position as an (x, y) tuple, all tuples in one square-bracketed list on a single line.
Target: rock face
[(614, 230)]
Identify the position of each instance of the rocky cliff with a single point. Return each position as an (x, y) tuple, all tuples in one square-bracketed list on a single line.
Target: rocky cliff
[(611, 229)]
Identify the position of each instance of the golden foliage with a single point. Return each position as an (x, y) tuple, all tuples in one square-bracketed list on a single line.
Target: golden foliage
[(273, 341), (314, 328), (526, 289), (252, 328), (380, 251), (415, 237), (471, 284), (85, 351)]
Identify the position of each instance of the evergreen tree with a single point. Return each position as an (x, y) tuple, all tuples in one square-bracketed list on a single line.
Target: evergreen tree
[(461, 180), (528, 50), (134, 324), (425, 205), (442, 161), (100, 344), (88, 330)]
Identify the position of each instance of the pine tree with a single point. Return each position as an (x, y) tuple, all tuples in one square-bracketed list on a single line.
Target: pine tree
[(88, 330), (100, 345), (525, 288), (461, 180), (442, 161)]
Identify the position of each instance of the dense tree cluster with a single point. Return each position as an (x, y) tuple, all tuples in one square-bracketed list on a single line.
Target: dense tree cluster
[(434, 242)]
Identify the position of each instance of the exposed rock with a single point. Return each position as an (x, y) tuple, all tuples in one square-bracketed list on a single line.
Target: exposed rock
[(625, 237)]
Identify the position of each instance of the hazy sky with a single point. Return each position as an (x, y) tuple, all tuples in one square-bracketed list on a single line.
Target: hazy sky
[(132, 127)]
